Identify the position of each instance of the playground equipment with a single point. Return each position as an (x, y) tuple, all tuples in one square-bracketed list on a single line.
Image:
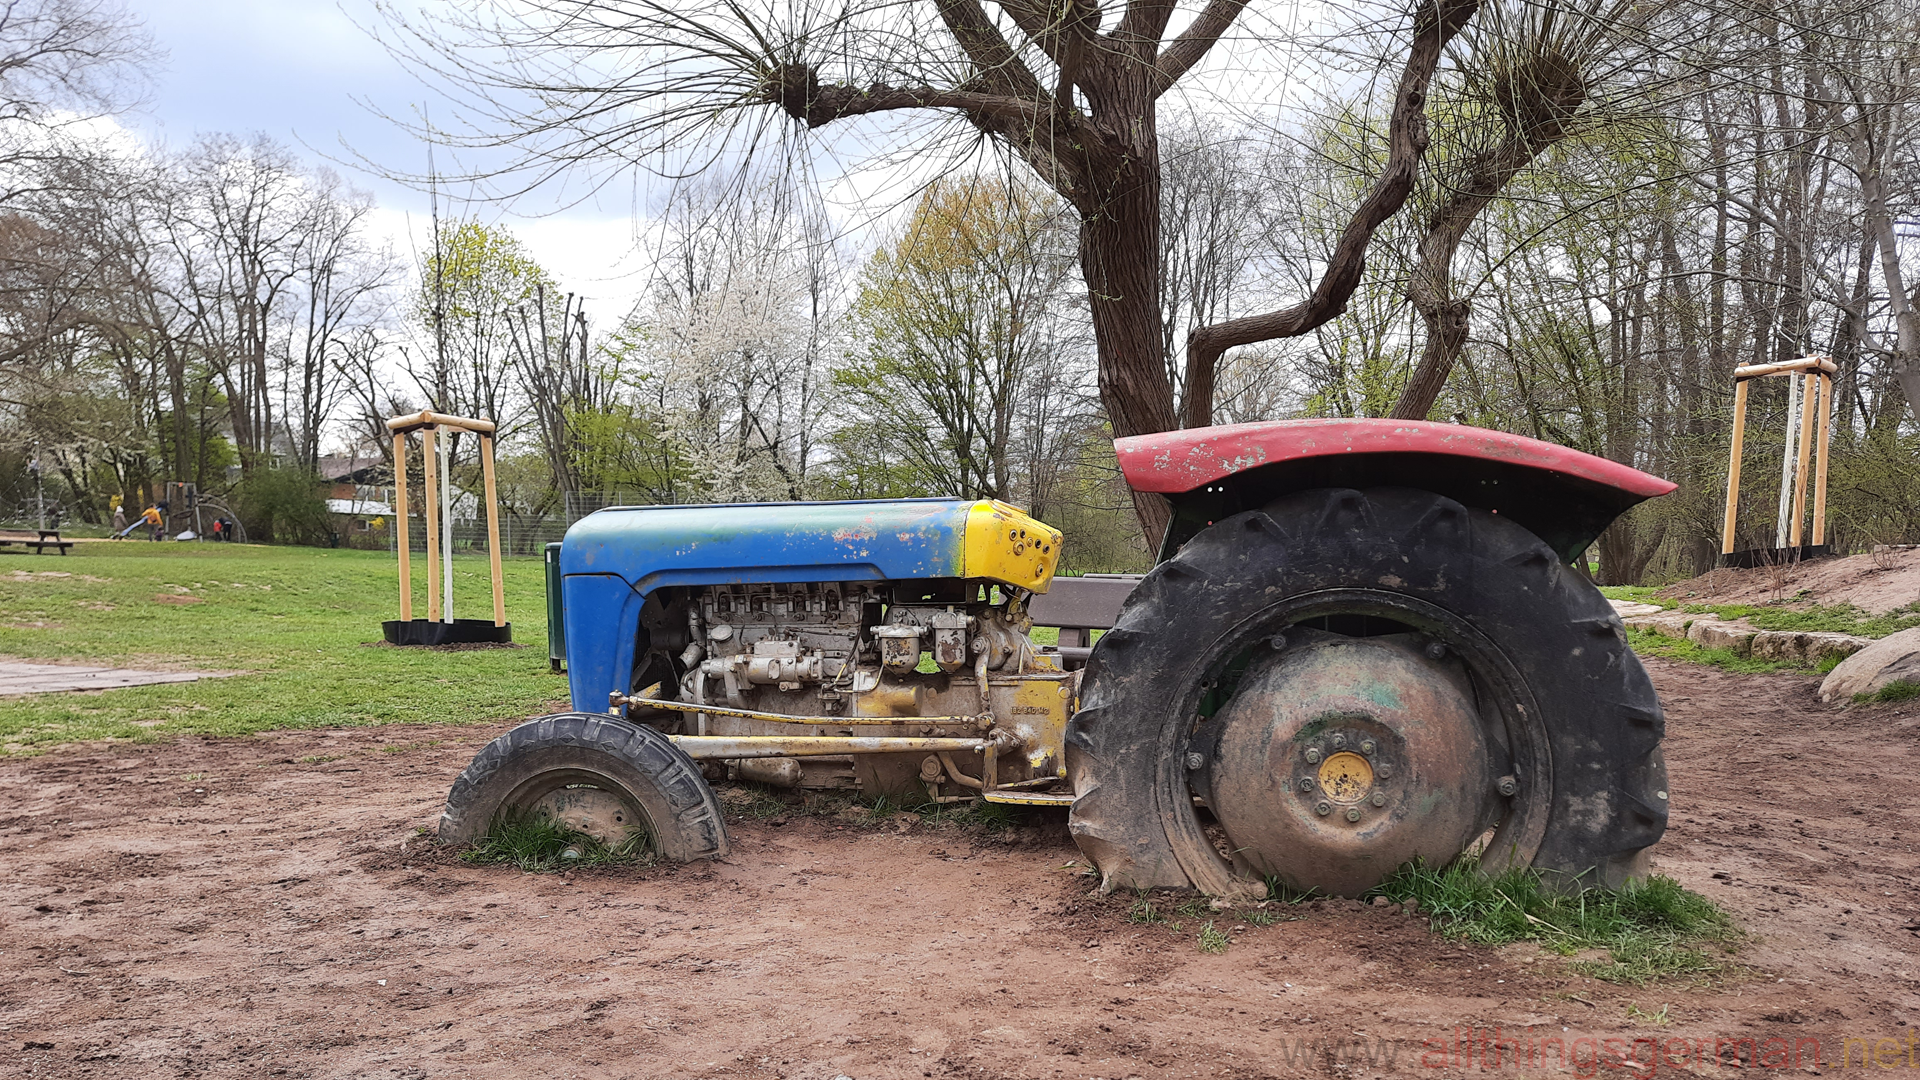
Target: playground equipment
[(440, 627), (1363, 644), (1810, 382)]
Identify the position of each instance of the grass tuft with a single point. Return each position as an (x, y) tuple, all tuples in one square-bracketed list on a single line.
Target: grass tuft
[(1143, 912), (1655, 930), (534, 842), (1212, 940), (1897, 690)]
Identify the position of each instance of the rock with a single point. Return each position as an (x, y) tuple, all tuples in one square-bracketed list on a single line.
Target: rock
[(1892, 658), (1671, 624), (1627, 609), (1709, 633), (1808, 647)]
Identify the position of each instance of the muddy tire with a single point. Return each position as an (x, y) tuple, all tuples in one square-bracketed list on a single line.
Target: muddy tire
[(1570, 706), (618, 778)]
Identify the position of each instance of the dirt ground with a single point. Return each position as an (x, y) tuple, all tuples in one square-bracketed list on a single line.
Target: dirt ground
[(1876, 583), (264, 907)]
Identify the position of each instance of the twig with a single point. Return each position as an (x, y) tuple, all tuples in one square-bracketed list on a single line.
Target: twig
[(70, 971)]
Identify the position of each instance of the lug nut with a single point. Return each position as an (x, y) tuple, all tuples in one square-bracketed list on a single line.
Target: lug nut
[(1277, 642), (1313, 755), (1436, 651), (1379, 799), (1339, 742), (1368, 746), (1508, 785), (1194, 760), (1353, 813), (1383, 770), (1323, 809), (1306, 783)]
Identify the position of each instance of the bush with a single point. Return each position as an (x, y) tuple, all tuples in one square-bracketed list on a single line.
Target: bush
[(284, 506)]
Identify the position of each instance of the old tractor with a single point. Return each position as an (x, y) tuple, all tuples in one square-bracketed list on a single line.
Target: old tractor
[(1363, 643)]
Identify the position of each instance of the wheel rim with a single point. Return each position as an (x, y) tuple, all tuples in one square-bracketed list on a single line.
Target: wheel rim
[(1464, 748), (587, 802)]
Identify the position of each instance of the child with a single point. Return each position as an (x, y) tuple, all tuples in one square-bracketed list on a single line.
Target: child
[(150, 517)]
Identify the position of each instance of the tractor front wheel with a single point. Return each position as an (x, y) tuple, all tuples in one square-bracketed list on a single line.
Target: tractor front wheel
[(621, 783), (1343, 681)]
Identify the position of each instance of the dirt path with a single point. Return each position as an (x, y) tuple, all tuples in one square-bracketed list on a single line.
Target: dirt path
[(258, 907)]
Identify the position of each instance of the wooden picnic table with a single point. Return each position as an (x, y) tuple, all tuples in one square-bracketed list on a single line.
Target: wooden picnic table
[(45, 538)]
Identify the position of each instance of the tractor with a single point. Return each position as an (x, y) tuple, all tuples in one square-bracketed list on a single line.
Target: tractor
[(1364, 642)]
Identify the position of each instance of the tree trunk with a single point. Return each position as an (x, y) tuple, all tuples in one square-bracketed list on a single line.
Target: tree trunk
[(1120, 258)]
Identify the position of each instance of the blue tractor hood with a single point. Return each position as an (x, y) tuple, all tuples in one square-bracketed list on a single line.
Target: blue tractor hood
[(611, 559), (735, 543)]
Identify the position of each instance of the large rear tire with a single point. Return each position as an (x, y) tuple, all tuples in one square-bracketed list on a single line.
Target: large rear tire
[(622, 783), (1572, 723)]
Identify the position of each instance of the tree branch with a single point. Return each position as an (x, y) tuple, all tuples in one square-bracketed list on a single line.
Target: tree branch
[(1186, 50), (1000, 70), (796, 88), (1435, 22)]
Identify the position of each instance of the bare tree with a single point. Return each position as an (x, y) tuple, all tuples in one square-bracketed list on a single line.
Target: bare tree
[(551, 353), (1071, 91), (1540, 73), (63, 63)]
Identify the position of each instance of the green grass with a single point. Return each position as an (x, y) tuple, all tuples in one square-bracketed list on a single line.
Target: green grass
[(1647, 643), (1638, 594), (536, 843), (1897, 690), (299, 624), (1833, 618), (1830, 618), (1656, 930)]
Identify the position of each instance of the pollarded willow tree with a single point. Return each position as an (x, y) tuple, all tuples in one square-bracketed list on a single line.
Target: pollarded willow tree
[(1070, 88)]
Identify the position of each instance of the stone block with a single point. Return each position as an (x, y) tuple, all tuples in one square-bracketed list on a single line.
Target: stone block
[(1894, 657), (1671, 624), (1805, 647), (1712, 633)]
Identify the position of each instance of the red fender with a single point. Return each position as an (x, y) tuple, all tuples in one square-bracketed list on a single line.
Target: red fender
[(1565, 497)]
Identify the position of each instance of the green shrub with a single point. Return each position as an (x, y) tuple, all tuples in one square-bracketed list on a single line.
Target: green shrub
[(284, 506)]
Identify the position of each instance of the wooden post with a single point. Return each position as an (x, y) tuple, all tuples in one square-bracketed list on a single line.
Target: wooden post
[(1820, 469), (433, 523), (493, 532), (401, 539), (1733, 465), (1811, 392)]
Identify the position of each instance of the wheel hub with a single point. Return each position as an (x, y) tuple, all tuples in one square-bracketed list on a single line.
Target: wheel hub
[(604, 815), (1338, 760)]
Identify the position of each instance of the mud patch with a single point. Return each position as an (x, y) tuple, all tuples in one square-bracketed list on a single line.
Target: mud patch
[(343, 943)]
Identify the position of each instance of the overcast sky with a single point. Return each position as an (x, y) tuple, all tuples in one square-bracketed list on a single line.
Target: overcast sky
[(293, 69)]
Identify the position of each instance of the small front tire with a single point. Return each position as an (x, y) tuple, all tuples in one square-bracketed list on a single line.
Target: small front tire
[(622, 783)]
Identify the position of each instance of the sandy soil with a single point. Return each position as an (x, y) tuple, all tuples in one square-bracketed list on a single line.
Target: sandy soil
[(1876, 583), (265, 907)]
